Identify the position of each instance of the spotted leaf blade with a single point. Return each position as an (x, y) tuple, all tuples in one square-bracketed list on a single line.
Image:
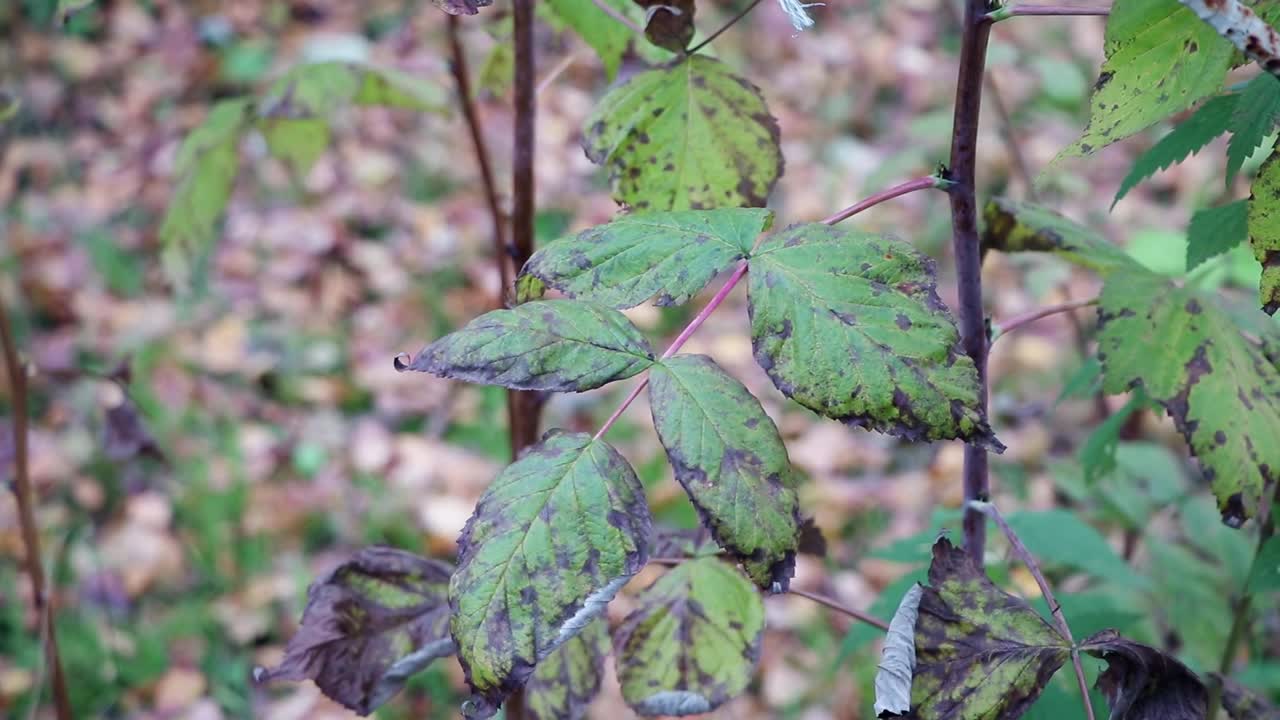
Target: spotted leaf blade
[(691, 135), (1142, 683), (1221, 389), (566, 681), (692, 643), (549, 544), (368, 626), (671, 255), (729, 458), (552, 345), (850, 325), (1161, 59), (1264, 231), (980, 652), (1012, 226)]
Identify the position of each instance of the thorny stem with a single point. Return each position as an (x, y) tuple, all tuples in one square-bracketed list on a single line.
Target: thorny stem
[(1007, 12), (975, 31), (732, 21), (741, 272), (26, 516), (999, 330), (836, 605), (1243, 608), (990, 510)]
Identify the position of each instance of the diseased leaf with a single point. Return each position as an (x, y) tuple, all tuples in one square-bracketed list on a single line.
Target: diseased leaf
[(461, 7), (608, 37), (1264, 230), (566, 681), (672, 255), (729, 458), (898, 658), (692, 642), (205, 172), (1216, 230), (1142, 683), (850, 325), (553, 345), (551, 541), (1241, 703), (1190, 137), (1254, 119), (369, 625), (669, 542), (316, 90), (1220, 389), (668, 23), (691, 135), (1265, 574), (980, 652), (1161, 59), (1011, 226)]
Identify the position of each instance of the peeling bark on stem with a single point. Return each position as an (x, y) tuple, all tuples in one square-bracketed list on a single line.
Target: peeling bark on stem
[(1251, 34), (967, 247)]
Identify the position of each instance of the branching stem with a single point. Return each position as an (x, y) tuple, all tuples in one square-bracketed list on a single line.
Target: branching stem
[(999, 330), (990, 510), (733, 21)]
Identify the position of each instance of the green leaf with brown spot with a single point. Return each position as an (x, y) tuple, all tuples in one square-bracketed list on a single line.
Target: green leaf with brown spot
[(566, 681), (850, 325), (205, 173), (1013, 226), (369, 625), (1220, 388), (691, 135), (1264, 230), (553, 345), (551, 541), (1161, 59), (692, 642), (729, 458), (981, 653), (1142, 683), (671, 255)]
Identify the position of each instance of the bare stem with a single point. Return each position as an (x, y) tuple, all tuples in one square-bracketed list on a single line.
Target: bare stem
[(1020, 321), (975, 32), (990, 510), (1005, 13), (923, 183), (733, 21), (26, 516)]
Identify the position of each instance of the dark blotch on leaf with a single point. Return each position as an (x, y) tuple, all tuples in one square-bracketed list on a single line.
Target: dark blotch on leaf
[(1142, 683)]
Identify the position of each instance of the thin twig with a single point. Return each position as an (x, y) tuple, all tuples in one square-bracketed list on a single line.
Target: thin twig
[(967, 248), (1018, 322), (26, 516), (733, 21), (910, 186), (1005, 13), (612, 12), (990, 510), (565, 63)]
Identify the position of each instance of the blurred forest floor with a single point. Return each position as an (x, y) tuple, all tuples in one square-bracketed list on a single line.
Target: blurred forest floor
[(262, 434)]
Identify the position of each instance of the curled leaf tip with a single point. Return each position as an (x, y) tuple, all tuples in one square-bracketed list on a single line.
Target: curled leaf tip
[(401, 361)]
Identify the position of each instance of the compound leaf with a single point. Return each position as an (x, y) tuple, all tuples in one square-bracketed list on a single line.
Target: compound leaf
[(691, 135), (1254, 119), (368, 626), (1221, 389), (205, 170), (318, 89), (608, 37), (980, 652), (1216, 230), (553, 345), (729, 458), (692, 642), (1264, 230), (672, 255), (1013, 226), (850, 325), (1142, 683), (1161, 59), (566, 681), (1188, 138), (549, 544)]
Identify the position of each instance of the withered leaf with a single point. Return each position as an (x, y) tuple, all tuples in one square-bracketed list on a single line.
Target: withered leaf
[(566, 681), (980, 652), (368, 626), (898, 658), (1142, 683), (668, 23)]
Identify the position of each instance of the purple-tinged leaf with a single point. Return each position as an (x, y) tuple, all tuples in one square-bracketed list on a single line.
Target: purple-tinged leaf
[(1142, 683), (1241, 703), (368, 626)]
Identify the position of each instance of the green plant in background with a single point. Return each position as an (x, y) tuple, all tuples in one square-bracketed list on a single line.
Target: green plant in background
[(849, 325)]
